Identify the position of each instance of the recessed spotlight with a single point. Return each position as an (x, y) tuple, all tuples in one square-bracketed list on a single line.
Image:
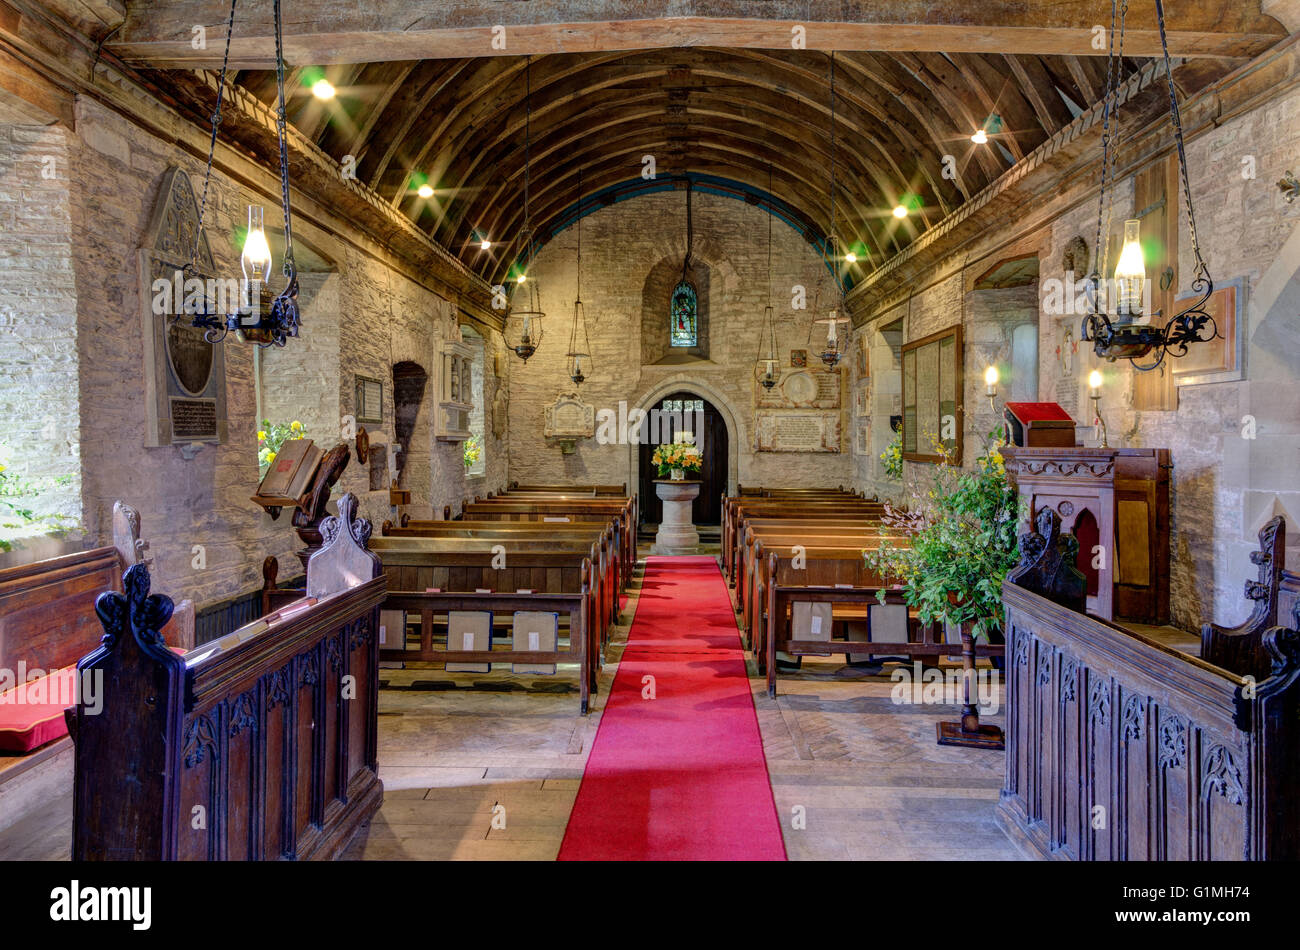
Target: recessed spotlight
[(980, 137), (851, 257), (485, 245), (424, 191), (900, 211), (322, 89), (521, 278)]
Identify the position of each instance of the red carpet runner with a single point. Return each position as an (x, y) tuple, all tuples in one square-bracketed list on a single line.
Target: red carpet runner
[(681, 776)]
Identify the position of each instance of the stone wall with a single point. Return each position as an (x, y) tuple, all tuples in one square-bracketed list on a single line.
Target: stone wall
[(1235, 445), (633, 245), (39, 402), (360, 316)]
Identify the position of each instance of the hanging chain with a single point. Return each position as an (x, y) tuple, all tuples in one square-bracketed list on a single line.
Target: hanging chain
[(830, 243), (528, 124), (1109, 142), (290, 267), (1176, 118), (579, 233), (770, 235), (192, 266)]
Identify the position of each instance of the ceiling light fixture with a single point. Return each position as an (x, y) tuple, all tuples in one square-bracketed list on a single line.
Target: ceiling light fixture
[(830, 356), (424, 191), (1121, 336), (980, 137), (322, 89), (524, 325), (765, 366), (258, 317)]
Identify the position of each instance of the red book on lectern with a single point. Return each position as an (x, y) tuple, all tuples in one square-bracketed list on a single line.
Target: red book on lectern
[(1039, 424)]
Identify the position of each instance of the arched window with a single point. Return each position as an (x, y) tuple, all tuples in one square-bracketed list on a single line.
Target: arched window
[(682, 331)]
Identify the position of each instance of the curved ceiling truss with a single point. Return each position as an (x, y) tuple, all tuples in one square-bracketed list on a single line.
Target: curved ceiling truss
[(903, 123)]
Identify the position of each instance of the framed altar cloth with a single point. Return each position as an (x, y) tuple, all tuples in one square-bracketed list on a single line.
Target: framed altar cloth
[(932, 395)]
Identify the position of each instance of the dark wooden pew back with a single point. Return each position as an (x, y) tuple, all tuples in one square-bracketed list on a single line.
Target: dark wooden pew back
[(260, 746)]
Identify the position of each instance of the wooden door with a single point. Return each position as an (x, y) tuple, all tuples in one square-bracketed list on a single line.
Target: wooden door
[(686, 412)]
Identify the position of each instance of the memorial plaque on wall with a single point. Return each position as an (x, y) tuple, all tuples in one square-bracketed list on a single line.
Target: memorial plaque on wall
[(801, 388), (779, 431), (184, 375), (932, 396)]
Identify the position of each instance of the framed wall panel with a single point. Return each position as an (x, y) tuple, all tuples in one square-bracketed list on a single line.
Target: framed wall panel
[(932, 395)]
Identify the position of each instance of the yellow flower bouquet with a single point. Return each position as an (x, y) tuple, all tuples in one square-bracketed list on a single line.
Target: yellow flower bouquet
[(682, 456)]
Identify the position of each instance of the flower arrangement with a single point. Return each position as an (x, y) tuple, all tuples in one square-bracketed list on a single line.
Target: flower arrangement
[(962, 533), (17, 519), (893, 456), (271, 437), (473, 450), (680, 455)]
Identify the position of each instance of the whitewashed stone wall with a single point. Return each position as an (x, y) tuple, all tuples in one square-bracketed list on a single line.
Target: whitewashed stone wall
[(39, 399), (361, 317), (622, 245), (1225, 486)]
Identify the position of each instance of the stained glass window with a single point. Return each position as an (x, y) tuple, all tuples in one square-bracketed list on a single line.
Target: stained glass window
[(682, 331)]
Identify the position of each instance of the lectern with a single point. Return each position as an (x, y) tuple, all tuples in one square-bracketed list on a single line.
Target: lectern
[(1116, 502)]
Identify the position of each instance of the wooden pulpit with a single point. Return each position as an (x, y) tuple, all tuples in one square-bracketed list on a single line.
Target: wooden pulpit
[(1116, 503)]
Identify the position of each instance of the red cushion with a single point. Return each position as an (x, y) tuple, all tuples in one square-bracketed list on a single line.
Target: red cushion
[(32, 714)]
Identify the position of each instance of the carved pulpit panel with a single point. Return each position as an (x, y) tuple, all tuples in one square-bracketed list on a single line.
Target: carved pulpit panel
[(184, 375)]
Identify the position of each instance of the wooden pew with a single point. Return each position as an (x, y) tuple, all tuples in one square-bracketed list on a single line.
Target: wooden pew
[(48, 622), (563, 512), (430, 604), (616, 574), (738, 512), (596, 546), (1189, 760), (543, 567), (887, 636), (1275, 596), (614, 490), (271, 731)]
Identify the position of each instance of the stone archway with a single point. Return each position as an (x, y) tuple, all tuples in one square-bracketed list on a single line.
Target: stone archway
[(683, 382)]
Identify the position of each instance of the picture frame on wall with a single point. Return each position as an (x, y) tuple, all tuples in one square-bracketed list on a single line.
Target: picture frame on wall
[(799, 358), (932, 395), (370, 400), (1223, 359)]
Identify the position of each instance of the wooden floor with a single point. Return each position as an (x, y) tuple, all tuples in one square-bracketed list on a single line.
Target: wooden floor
[(455, 751)]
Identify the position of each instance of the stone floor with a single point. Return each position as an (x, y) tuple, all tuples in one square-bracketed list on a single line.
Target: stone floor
[(855, 776)]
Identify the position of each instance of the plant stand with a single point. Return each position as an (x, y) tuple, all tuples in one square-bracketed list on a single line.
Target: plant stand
[(677, 534), (969, 731)]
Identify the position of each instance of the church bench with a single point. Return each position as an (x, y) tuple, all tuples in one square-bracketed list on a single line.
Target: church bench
[(564, 512), (821, 566), (430, 605), (613, 576), (608, 535), (262, 745), (1275, 595), (616, 490), (48, 622), (749, 559), (544, 567), (792, 531), (889, 632), (736, 516), (1186, 759)]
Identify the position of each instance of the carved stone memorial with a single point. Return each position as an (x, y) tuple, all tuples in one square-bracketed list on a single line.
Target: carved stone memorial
[(184, 375)]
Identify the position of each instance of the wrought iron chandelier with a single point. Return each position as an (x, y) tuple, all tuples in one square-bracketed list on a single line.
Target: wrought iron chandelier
[(527, 320), (579, 342), (831, 354), (1121, 336), (765, 366), (259, 317)]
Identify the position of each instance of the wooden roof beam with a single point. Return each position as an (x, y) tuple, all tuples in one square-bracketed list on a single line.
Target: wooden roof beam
[(317, 32)]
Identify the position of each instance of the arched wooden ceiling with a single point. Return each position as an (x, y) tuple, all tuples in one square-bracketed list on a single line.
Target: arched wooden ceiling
[(459, 124)]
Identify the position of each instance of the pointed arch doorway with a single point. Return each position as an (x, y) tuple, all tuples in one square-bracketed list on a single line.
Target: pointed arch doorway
[(685, 411)]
